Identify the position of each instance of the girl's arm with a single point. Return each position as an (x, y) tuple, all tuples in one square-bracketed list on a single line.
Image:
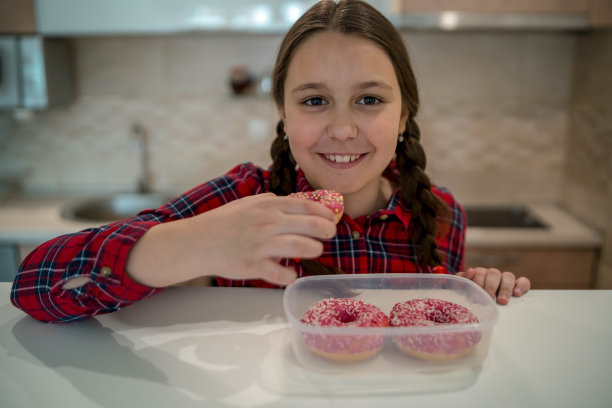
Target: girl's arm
[(214, 229), (79, 275), (241, 240)]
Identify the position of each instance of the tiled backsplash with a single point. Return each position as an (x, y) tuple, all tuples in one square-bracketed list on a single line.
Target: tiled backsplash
[(88, 147), (494, 113)]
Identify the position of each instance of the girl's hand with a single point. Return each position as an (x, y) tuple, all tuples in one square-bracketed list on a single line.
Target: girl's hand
[(243, 239), (498, 284)]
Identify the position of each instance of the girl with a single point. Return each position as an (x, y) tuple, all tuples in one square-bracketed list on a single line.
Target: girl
[(347, 99)]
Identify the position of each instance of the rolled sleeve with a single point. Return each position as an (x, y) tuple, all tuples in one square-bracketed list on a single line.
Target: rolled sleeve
[(99, 255)]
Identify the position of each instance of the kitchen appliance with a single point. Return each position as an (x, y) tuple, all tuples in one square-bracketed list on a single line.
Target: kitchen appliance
[(35, 72)]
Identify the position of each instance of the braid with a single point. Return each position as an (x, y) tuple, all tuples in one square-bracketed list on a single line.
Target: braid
[(416, 194), (282, 172)]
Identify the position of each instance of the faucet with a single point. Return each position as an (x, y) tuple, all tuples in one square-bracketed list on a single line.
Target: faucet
[(141, 137)]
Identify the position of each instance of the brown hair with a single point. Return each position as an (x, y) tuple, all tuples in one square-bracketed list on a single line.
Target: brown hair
[(359, 18)]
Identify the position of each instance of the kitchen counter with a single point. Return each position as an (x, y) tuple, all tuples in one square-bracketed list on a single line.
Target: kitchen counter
[(229, 347), (33, 220), (564, 230)]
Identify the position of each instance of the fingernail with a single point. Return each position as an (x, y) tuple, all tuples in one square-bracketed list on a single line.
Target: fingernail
[(502, 299), (517, 292)]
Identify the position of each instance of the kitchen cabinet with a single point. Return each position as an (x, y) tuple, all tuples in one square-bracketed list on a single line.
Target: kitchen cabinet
[(566, 6), (597, 13), (153, 17), (118, 17), (547, 268), (600, 13), (9, 262), (11, 256), (17, 17)]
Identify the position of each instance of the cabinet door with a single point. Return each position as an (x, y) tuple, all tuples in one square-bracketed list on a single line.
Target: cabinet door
[(17, 17), (8, 262), (547, 268), (599, 12), (558, 6)]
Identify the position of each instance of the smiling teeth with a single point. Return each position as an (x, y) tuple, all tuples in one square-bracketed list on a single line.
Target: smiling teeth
[(342, 158)]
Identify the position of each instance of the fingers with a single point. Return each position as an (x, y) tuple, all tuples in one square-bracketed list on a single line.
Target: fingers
[(492, 280), (306, 225), (246, 238), (295, 206), (506, 286), (521, 286), (478, 275), (469, 274), (292, 246), (499, 285), (287, 215), (278, 275)]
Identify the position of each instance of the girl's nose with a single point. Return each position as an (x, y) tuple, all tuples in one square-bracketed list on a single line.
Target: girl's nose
[(342, 126)]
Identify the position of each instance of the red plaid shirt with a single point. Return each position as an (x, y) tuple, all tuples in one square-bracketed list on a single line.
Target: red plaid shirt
[(377, 243)]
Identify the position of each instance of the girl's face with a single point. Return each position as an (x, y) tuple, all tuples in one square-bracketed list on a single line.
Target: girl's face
[(342, 112)]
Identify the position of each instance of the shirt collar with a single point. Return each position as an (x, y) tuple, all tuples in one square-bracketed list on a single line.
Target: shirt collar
[(302, 184), (397, 208)]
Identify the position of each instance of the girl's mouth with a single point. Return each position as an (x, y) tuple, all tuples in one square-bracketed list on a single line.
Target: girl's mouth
[(341, 160)]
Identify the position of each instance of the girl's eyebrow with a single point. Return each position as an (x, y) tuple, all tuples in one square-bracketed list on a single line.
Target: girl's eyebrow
[(373, 84), (320, 85), (309, 85)]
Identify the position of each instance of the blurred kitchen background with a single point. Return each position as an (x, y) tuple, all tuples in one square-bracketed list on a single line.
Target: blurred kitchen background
[(516, 104)]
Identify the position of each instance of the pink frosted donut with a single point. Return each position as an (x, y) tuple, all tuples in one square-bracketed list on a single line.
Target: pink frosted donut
[(340, 312), (329, 198), (434, 312)]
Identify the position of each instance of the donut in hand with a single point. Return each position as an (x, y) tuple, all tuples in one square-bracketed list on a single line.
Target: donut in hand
[(329, 198), (435, 346), (350, 313)]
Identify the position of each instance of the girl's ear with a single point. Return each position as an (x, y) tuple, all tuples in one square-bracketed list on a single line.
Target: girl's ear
[(281, 112), (403, 121)]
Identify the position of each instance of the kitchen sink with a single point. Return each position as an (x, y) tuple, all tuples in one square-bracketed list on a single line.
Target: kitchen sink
[(113, 207), (516, 216)]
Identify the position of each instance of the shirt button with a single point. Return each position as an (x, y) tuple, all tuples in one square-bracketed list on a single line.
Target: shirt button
[(105, 272), (384, 217), (355, 234)]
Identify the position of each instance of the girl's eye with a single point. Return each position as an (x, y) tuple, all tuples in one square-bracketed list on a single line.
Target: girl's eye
[(316, 101), (369, 100)]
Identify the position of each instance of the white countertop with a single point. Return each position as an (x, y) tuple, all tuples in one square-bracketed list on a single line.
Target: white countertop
[(564, 230), (207, 346), (33, 220)]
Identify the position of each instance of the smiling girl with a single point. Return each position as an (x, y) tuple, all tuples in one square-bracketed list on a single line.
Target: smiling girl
[(347, 99)]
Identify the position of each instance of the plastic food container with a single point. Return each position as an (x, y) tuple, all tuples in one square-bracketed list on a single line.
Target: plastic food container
[(384, 291)]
